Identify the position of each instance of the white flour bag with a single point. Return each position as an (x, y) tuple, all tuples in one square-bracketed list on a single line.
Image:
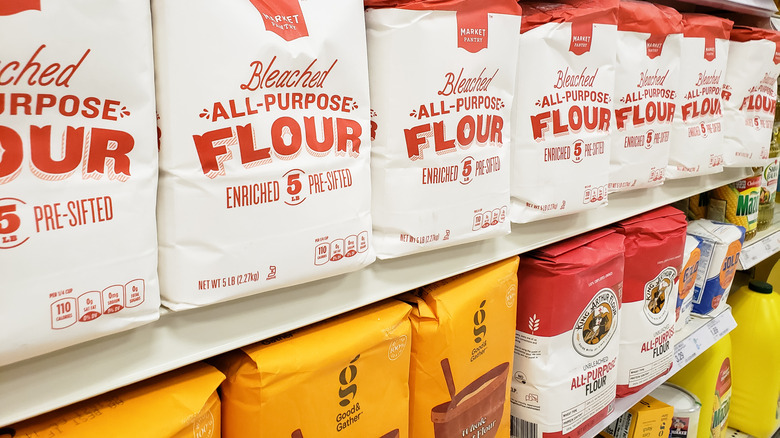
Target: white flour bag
[(647, 70), (442, 82), (697, 129), (750, 95), (568, 335), (78, 173), (561, 135), (265, 145)]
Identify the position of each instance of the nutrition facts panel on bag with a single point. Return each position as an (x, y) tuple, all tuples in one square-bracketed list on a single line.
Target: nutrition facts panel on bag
[(70, 308)]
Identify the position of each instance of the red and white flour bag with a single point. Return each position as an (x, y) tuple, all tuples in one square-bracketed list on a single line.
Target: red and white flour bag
[(442, 78), (561, 134), (265, 145), (697, 129), (78, 173), (655, 242), (568, 333), (750, 95), (647, 71)]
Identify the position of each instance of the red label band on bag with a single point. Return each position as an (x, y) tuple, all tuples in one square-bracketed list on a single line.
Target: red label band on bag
[(581, 35), (655, 45), (709, 48), (11, 7), (472, 30), (282, 17)]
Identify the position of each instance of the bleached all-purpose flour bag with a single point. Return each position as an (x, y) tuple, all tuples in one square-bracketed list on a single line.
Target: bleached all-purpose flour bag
[(568, 335), (78, 173), (655, 242), (750, 95), (265, 145), (561, 135), (697, 129), (646, 76), (442, 77)]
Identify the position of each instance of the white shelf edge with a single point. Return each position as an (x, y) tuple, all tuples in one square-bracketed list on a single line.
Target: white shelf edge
[(63, 377), (766, 243), (698, 328), (760, 8)]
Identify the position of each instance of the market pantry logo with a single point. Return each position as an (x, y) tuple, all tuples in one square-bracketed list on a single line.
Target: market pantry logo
[(11, 7)]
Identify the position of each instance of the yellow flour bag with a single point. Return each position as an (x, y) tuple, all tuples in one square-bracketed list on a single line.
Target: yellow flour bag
[(180, 404), (462, 350), (345, 377)]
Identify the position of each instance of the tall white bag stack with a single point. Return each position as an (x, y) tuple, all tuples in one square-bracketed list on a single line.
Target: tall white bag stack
[(561, 137), (442, 85), (646, 77), (78, 173), (697, 130), (750, 95), (265, 145)]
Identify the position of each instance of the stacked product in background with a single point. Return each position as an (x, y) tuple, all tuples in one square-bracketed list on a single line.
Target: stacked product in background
[(750, 95), (648, 418), (720, 246), (462, 354), (567, 339), (265, 146), (442, 87), (708, 377), (181, 404), (686, 282), (737, 203), (78, 173), (769, 179), (697, 131), (687, 409), (561, 131), (655, 242), (646, 77), (346, 377), (755, 400)]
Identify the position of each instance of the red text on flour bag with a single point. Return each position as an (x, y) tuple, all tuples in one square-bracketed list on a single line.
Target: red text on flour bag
[(561, 147), (568, 331), (440, 124), (266, 144), (750, 95), (647, 71), (655, 242), (697, 129), (78, 173)]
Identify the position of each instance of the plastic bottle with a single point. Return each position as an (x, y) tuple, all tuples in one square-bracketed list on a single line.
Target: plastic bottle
[(709, 378), (755, 359)]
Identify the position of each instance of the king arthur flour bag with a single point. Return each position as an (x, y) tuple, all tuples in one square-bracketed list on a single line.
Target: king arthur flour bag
[(567, 338), (462, 354), (697, 130), (265, 147), (78, 173), (442, 82), (655, 242), (180, 404), (750, 95), (647, 71), (344, 377), (561, 134)]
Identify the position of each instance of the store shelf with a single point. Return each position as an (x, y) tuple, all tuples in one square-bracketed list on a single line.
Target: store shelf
[(700, 334), (63, 377), (764, 245), (761, 8)]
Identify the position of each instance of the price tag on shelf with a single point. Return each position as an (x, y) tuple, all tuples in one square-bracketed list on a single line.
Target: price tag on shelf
[(753, 254), (686, 350), (721, 325)]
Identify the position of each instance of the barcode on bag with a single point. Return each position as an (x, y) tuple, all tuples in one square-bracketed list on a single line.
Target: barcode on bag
[(523, 429)]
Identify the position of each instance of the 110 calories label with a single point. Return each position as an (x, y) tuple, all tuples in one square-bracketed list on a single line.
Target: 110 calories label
[(89, 306)]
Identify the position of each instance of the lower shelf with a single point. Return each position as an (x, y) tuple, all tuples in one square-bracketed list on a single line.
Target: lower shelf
[(700, 334)]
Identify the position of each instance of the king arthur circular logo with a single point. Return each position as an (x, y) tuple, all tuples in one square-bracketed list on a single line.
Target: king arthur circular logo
[(596, 324), (657, 293)]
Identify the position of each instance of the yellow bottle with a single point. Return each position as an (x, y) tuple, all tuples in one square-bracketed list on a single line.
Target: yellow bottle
[(709, 378), (755, 359)]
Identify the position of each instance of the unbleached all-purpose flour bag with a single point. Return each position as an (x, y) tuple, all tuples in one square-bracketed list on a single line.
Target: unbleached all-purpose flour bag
[(568, 335), (750, 95), (697, 129), (264, 117), (78, 173), (646, 76), (655, 242), (561, 135), (442, 80)]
